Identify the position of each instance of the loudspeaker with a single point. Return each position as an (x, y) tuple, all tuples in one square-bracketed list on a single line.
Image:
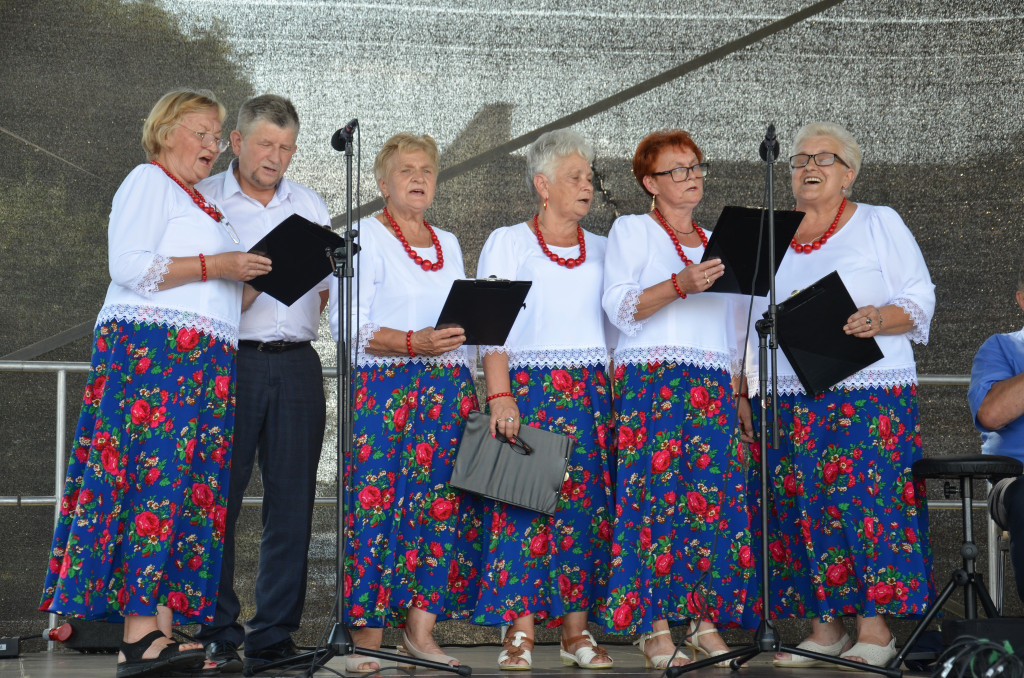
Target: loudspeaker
[(997, 630)]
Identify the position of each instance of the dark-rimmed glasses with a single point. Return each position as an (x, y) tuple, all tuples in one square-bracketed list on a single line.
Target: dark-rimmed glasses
[(207, 138), (680, 174), (820, 159)]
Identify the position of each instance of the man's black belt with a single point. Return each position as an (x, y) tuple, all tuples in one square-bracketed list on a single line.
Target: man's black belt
[(272, 346)]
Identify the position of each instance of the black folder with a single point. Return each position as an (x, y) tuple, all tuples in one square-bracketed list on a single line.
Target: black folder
[(810, 331), (734, 241), (297, 249), (486, 308)]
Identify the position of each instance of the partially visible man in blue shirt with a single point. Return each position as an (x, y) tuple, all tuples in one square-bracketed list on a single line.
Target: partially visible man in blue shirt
[(996, 396)]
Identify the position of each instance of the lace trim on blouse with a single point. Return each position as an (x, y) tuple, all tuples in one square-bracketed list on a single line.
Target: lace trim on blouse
[(624, 317), (148, 282), (698, 357), (865, 379), (171, 317), (457, 357), (363, 359), (545, 357), (919, 333)]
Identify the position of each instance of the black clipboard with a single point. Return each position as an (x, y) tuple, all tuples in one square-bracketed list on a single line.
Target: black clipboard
[(297, 249), (810, 329), (486, 308), (734, 241)]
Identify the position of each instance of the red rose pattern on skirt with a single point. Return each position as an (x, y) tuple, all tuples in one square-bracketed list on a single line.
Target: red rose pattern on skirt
[(848, 526), (142, 515), (531, 563), (402, 516), (682, 534)]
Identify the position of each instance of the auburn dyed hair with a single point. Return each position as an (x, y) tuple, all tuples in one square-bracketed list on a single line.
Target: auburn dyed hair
[(653, 144)]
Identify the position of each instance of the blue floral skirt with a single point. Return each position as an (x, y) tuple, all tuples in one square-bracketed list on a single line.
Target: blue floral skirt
[(142, 515), (531, 563), (682, 533), (848, 525), (402, 516)]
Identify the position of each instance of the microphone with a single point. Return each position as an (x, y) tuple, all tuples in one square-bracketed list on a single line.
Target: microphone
[(344, 135), (769, 145)]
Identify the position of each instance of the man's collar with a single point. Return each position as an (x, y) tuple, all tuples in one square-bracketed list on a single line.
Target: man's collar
[(231, 185)]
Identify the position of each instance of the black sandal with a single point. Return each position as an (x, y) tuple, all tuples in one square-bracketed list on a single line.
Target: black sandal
[(171, 657)]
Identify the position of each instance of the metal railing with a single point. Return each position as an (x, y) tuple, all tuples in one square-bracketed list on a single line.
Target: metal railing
[(62, 369)]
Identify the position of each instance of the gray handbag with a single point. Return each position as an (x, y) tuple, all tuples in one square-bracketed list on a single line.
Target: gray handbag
[(527, 473)]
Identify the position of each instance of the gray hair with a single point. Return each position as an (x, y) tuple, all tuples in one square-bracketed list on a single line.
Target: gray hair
[(849, 151), (269, 108), (550, 149)]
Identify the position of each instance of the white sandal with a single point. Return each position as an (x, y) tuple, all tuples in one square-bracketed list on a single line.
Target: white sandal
[(798, 661), (873, 655), (693, 643), (585, 655), (517, 645), (658, 661)]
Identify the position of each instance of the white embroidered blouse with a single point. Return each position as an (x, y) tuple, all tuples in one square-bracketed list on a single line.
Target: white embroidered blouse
[(702, 330), (562, 324), (880, 263), (152, 220), (393, 291)]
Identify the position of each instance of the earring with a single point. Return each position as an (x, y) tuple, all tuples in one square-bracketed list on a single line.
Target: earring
[(545, 204), (844, 190), (654, 205)]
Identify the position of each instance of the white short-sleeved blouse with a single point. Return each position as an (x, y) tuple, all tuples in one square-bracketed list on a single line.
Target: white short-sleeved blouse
[(152, 220), (562, 324), (880, 263)]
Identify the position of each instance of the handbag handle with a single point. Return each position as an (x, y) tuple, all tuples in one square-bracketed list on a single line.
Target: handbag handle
[(519, 445)]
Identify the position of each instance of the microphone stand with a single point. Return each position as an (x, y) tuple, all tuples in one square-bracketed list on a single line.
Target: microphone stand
[(339, 639), (766, 639)]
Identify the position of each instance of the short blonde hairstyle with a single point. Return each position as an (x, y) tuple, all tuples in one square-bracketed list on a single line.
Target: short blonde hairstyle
[(169, 111), (404, 142), (849, 151)]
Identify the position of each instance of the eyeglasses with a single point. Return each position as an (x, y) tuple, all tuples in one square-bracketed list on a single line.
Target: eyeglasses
[(680, 174), (207, 138), (820, 159)]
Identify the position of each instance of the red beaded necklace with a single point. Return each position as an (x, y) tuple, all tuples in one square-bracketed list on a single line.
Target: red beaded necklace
[(420, 261), (675, 240), (562, 261), (820, 242), (197, 198)]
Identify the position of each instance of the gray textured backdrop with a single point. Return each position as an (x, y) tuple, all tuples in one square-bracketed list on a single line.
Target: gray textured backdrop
[(932, 90)]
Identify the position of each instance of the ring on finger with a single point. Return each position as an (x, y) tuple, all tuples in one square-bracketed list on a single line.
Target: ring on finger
[(869, 322), (510, 419)]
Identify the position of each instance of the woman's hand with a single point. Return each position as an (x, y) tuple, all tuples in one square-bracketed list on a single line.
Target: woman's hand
[(429, 341), (745, 417), (865, 323), (504, 417), (237, 266), (696, 278)]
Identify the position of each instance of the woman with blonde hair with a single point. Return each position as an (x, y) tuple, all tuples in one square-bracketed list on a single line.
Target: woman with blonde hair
[(142, 525)]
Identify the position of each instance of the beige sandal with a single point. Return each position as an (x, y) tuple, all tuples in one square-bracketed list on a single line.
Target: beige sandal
[(585, 655), (798, 661), (659, 661), (413, 651), (517, 645), (693, 642)]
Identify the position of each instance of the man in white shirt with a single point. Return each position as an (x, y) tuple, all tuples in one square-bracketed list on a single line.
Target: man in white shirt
[(280, 406)]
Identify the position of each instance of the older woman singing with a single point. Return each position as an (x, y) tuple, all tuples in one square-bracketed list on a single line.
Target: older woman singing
[(682, 523), (413, 387), (550, 374), (142, 530), (849, 530)]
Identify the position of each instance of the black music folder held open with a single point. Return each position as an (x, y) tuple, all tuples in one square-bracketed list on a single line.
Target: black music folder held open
[(810, 331), (734, 241), (486, 308), (297, 249)]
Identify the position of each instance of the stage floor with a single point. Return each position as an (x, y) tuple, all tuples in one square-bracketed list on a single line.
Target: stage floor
[(483, 660)]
